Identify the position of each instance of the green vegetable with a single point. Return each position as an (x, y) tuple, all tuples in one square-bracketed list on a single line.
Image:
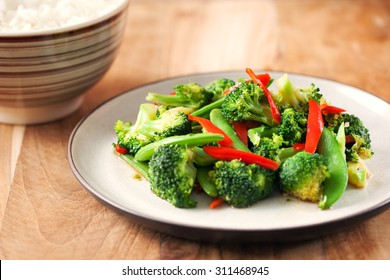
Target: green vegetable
[(360, 146), (358, 173), (205, 182), (242, 185), (172, 175), (191, 95), (302, 176), (290, 96), (218, 119), (171, 122), (149, 128), (255, 134), (146, 152), (334, 186), (141, 167), (269, 147), (218, 87), (205, 110), (128, 135), (247, 101), (202, 158), (293, 126)]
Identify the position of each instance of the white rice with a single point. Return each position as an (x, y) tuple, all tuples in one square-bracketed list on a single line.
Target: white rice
[(39, 15)]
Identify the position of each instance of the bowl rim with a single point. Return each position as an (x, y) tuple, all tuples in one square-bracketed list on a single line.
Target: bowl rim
[(65, 29)]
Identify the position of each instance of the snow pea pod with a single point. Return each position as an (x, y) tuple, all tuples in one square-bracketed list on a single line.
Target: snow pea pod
[(334, 186), (218, 120), (190, 140), (207, 185)]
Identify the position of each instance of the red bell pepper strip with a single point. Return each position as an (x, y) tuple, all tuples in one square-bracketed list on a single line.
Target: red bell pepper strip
[(210, 127), (274, 108), (315, 125), (228, 154), (241, 131), (264, 78), (121, 150), (328, 109), (216, 202), (298, 146), (349, 139)]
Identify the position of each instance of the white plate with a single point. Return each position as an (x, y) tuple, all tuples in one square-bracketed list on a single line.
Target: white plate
[(276, 218)]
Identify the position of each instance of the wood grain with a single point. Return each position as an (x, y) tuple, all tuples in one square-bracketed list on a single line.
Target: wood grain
[(46, 214)]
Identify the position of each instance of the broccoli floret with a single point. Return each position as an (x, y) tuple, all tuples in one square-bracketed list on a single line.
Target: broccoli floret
[(149, 128), (247, 102), (172, 175), (218, 87), (290, 96), (293, 126), (162, 108), (128, 135), (242, 185), (191, 95), (269, 147), (171, 122), (360, 147), (302, 175)]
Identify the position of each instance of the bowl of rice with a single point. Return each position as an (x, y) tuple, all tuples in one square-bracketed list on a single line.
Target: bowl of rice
[(52, 52)]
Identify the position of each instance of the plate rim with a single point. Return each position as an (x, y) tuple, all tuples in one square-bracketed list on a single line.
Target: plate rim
[(196, 232)]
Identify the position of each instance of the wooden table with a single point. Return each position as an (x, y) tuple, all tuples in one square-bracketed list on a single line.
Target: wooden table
[(46, 214)]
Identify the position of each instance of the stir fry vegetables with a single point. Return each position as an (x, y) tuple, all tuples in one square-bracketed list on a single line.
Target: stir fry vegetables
[(239, 142)]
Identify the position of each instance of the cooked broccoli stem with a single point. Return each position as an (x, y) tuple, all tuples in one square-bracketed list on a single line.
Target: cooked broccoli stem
[(172, 175), (290, 96), (191, 95), (255, 134)]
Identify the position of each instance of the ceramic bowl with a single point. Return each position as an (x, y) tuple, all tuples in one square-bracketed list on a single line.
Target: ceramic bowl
[(44, 74)]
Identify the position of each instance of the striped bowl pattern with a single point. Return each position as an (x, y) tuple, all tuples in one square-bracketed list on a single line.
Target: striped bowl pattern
[(43, 76)]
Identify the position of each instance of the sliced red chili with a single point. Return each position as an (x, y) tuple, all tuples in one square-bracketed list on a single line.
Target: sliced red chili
[(315, 125), (229, 154), (212, 128), (274, 108)]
